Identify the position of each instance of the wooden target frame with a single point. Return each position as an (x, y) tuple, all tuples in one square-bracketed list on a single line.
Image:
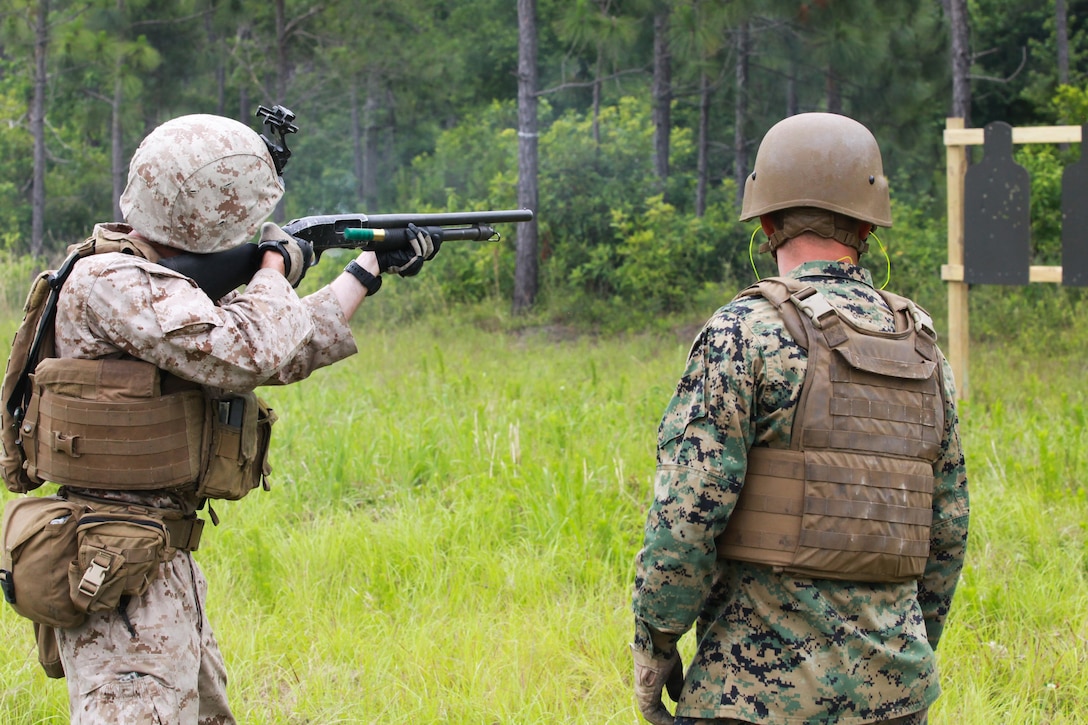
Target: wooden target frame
[(956, 140)]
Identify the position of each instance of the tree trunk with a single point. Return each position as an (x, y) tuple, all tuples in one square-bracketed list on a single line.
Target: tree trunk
[(118, 167), (279, 214), (1061, 27), (793, 106), (245, 105), (662, 98), (371, 150), (281, 52), (961, 60), (37, 129), (215, 46), (740, 113), (597, 103), (1061, 33), (525, 273), (834, 91), (702, 163), (357, 147)]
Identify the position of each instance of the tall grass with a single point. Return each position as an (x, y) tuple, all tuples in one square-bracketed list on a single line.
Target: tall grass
[(451, 533)]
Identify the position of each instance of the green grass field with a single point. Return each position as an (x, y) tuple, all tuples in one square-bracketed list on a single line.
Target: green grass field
[(455, 513)]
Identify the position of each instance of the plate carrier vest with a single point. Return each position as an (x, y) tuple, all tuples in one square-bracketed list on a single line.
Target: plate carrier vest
[(119, 424), (851, 498)]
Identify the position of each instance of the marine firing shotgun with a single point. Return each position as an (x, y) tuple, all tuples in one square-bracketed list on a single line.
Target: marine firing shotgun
[(220, 272)]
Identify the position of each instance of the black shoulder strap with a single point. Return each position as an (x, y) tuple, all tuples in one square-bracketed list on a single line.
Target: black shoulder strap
[(16, 402)]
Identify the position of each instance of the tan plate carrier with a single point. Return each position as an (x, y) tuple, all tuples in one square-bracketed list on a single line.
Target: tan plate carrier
[(851, 499)]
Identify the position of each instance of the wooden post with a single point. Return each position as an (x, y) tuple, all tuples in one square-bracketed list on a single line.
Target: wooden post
[(958, 327)]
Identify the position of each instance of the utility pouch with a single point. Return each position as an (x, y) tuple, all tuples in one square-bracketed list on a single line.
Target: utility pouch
[(240, 431), (39, 546), (48, 651), (118, 554)]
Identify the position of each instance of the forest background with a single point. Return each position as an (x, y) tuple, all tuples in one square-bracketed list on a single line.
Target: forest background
[(647, 113), (460, 548)]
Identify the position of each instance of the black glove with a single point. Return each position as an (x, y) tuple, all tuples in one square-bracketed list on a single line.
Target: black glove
[(407, 262), (298, 254)]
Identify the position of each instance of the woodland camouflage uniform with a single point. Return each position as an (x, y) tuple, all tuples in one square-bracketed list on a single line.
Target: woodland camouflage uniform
[(774, 647)]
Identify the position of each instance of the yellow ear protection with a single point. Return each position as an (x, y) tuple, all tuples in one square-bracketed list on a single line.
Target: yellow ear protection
[(887, 259), (751, 245)]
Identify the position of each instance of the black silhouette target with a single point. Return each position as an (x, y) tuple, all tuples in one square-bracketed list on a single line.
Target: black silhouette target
[(1075, 219), (997, 214)]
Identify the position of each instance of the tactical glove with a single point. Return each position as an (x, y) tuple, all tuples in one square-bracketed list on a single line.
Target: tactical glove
[(408, 262), (298, 254), (652, 675)]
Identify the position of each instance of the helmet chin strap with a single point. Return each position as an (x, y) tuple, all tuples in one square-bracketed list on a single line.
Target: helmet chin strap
[(880, 244), (827, 224)]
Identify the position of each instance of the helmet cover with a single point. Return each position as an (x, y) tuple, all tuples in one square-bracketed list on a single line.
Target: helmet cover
[(200, 183)]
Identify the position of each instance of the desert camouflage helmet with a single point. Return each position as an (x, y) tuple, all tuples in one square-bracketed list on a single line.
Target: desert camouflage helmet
[(200, 183), (820, 160)]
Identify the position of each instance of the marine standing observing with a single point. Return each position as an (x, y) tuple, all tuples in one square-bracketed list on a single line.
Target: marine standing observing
[(810, 510)]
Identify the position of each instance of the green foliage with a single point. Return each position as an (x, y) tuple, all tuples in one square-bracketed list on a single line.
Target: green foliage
[(1070, 104), (917, 246), (15, 167), (18, 271), (1045, 164)]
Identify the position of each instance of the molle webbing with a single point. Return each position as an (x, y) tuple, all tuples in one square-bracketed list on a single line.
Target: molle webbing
[(852, 498), (107, 424), (872, 516)]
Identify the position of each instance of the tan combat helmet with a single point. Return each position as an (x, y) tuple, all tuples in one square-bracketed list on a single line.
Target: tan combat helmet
[(200, 183), (819, 161)]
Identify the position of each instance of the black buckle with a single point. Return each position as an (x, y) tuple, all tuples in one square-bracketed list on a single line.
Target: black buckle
[(7, 585)]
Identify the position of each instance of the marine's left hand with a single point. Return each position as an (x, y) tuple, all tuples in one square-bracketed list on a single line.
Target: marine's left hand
[(652, 675), (408, 262), (297, 253)]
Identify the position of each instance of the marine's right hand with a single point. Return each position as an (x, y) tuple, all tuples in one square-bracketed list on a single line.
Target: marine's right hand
[(297, 253)]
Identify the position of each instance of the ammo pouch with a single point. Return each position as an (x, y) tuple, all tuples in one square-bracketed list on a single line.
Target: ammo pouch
[(239, 432), (125, 425), (39, 547), (118, 553)]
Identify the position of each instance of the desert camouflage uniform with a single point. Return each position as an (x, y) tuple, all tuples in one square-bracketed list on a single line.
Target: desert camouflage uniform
[(775, 648), (163, 664)]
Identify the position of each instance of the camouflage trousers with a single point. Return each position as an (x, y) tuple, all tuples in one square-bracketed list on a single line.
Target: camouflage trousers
[(917, 718), (166, 668)]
